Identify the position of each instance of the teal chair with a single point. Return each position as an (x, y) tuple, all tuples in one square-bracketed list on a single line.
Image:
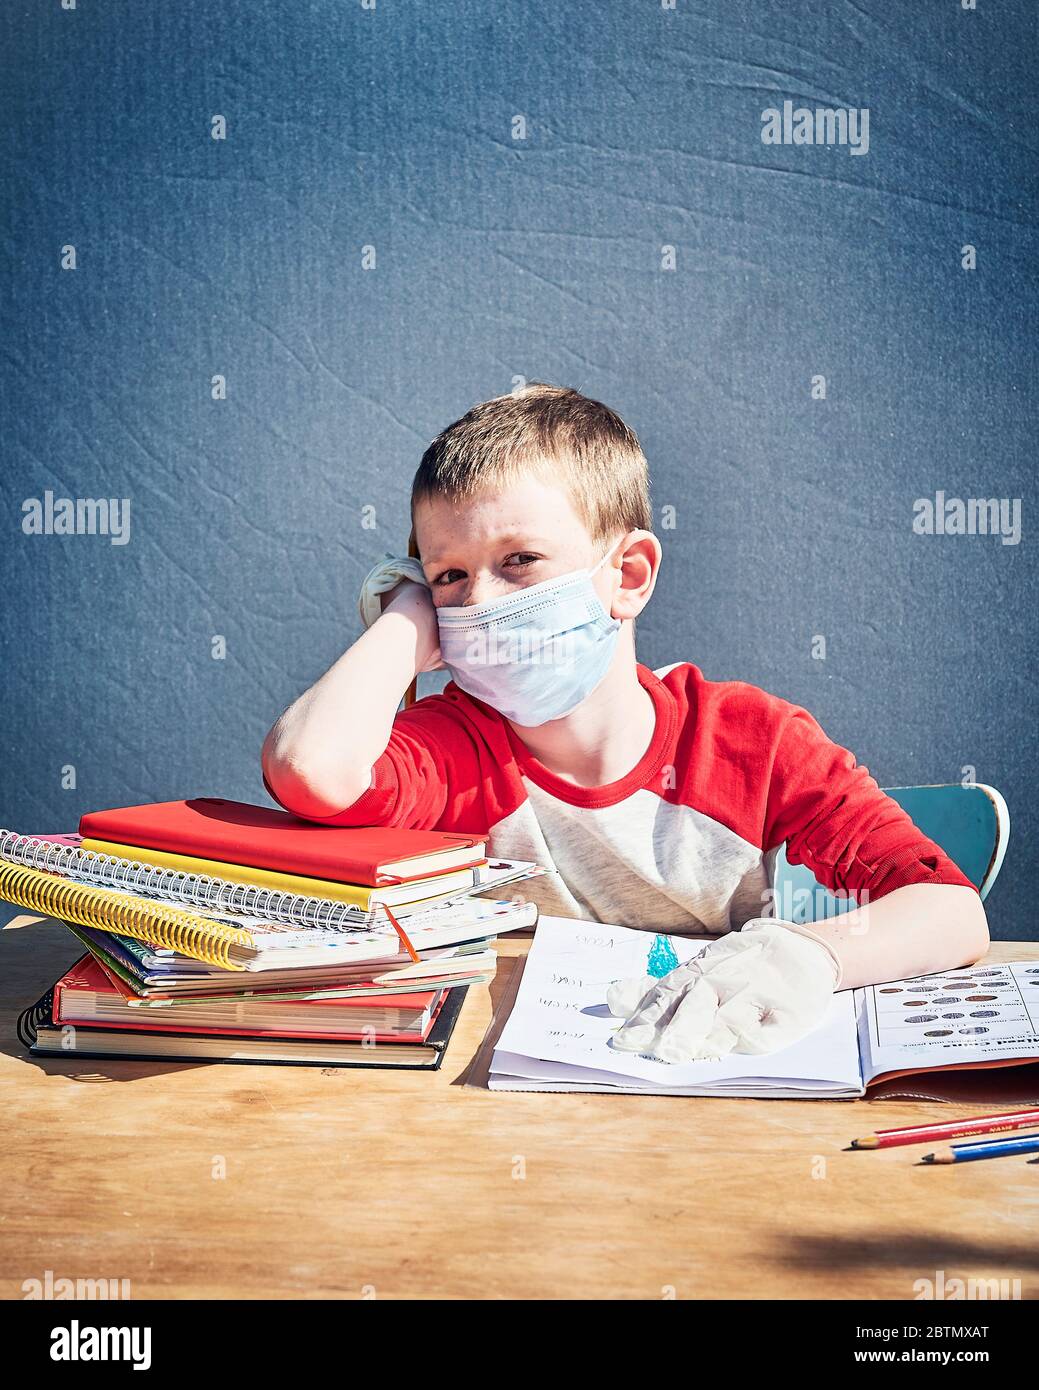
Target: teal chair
[(971, 824)]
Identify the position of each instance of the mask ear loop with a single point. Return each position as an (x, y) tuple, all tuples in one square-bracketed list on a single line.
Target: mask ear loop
[(611, 551), (411, 694)]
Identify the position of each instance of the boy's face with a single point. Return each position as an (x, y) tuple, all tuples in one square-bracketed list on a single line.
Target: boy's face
[(502, 540)]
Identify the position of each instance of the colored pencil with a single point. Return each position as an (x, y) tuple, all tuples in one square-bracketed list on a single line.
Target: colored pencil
[(402, 934), (948, 1129), (988, 1148)]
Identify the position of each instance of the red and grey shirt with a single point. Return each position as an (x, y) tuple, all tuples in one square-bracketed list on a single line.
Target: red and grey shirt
[(685, 842)]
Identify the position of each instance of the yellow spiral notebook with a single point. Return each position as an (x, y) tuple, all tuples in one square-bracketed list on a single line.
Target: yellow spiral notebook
[(217, 943)]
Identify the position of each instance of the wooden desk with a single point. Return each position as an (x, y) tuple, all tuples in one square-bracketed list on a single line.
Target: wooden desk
[(388, 1184)]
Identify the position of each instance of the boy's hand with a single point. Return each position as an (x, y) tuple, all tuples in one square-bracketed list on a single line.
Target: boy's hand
[(383, 579), (755, 990), (415, 602), (399, 583)]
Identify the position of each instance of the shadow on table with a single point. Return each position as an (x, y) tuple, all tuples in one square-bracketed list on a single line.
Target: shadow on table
[(32, 957), (503, 990), (919, 1256)]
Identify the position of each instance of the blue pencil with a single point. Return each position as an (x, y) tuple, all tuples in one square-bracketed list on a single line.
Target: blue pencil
[(988, 1148)]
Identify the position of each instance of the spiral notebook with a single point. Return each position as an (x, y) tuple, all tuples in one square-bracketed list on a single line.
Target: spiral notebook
[(253, 945), (167, 982), (110, 910), (212, 894)]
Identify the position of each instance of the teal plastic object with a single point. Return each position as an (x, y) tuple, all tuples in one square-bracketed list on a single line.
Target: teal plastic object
[(971, 824)]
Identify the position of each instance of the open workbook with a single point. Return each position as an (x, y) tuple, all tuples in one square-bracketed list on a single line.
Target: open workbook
[(558, 1033)]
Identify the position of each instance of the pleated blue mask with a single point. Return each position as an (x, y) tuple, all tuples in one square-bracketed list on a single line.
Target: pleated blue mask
[(535, 654)]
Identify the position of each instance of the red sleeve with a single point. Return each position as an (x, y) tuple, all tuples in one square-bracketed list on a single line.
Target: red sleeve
[(446, 767), (837, 822)]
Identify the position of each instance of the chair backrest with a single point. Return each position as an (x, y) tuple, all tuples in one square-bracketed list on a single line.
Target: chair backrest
[(970, 823), (411, 694)]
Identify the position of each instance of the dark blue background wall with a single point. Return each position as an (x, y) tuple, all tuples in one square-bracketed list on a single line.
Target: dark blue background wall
[(499, 258)]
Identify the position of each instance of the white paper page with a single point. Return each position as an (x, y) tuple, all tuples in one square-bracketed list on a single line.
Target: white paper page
[(560, 1016), (511, 1064), (503, 1082), (979, 1014), (480, 917)]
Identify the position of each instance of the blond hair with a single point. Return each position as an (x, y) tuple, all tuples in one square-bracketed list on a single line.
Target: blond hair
[(552, 430)]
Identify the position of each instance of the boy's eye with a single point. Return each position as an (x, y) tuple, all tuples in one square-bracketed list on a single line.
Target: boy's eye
[(518, 560)]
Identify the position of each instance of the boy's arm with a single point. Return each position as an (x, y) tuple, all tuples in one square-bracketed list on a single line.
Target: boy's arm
[(914, 930), (319, 755), (919, 913), (763, 987)]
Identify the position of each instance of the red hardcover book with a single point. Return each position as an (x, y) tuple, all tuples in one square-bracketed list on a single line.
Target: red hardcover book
[(262, 838), (86, 996)]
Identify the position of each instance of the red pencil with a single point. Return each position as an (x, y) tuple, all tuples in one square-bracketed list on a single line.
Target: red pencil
[(948, 1129)]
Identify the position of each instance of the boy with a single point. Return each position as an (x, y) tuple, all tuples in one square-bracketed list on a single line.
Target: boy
[(656, 799)]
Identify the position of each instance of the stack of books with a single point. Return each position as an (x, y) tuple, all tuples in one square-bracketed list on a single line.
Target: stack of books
[(215, 930)]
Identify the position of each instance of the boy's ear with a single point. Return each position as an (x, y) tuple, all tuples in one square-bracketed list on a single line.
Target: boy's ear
[(639, 566), (412, 547)]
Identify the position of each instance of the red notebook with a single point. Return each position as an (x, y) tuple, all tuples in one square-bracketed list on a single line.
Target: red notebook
[(261, 838), (85, 996)]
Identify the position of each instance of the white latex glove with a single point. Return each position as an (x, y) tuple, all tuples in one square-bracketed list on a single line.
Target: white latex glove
[(755, 990), (383, 577)]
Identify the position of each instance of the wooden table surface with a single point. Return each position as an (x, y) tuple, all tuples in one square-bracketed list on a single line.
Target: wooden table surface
[(209, 1181)]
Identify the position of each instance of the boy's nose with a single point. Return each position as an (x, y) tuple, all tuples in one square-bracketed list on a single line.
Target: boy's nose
[(479, 589)]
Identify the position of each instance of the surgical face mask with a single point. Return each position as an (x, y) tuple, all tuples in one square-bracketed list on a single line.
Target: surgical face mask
[(536, 654)]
